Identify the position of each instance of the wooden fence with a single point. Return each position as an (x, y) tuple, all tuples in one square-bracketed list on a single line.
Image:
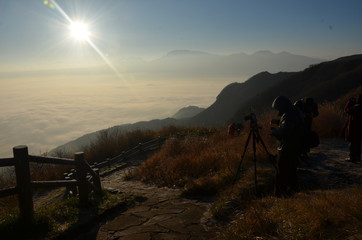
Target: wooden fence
[(82, 179), (86, 179)]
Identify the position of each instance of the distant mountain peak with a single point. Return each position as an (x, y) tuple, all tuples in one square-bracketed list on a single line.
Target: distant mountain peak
[(185, 53), (263, 52)]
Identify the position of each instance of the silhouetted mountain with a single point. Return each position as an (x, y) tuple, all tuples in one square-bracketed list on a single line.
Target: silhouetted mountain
[(324, 82), (228, 101), (188, 112)]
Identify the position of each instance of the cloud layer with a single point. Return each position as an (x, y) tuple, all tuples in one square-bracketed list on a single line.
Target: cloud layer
[(43, 113)]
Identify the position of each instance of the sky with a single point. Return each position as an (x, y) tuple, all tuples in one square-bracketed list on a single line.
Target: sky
[(55, 87), (35, 33)]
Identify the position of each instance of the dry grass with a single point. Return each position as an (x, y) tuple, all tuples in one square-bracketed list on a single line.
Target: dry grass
[(182, 161), (331, 117), (201, 165), (315, 215), (111, 143), (330, 121)]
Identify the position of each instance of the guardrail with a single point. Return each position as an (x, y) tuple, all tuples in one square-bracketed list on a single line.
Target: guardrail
[(123, 157), (86, 179)]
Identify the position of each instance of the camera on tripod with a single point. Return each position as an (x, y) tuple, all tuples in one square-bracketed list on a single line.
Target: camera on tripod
[(253, 120), (255, 138), (251, 117)]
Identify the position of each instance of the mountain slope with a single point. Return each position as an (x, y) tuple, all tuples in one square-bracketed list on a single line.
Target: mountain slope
[(326, 81), (79, 143), (187, 112), (228, 101)]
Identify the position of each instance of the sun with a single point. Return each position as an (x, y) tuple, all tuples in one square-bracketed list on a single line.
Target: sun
[(79, 31)]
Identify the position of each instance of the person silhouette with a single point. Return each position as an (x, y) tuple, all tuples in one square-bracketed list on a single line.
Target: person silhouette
[(289, 135), (309, 108), (352, 130)]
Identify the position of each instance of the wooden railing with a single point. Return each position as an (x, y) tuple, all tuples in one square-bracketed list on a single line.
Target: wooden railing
[(121, 158), (86, 178)]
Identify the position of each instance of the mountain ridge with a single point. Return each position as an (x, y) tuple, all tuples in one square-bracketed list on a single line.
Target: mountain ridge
[(197, 64)]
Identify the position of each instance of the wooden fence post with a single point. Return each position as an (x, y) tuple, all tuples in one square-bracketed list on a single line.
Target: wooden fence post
[(97, 181), (82, 178), (159, 141), (109, 162), (23, 183)]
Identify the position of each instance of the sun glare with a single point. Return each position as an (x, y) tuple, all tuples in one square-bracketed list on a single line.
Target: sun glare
[(79, 31)]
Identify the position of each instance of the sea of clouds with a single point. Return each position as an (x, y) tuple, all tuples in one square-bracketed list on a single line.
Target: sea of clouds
[(45, 112)]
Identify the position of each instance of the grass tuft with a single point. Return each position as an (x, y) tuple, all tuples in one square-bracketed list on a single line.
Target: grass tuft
[(314, 215)]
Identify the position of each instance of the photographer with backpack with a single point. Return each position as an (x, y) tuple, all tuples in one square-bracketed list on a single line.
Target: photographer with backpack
[(289, 135)]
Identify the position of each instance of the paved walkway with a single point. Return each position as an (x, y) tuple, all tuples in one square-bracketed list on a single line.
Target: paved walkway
[(160, 213)]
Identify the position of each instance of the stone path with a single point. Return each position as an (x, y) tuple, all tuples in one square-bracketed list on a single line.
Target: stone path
[(328, 167), (160, 213)]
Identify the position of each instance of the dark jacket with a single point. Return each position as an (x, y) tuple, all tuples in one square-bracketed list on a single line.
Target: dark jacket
[(290, 129), (353, 127), (310, 111)]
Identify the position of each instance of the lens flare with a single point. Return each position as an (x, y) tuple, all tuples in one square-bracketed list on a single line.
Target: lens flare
[(49, 4), (79, 31)]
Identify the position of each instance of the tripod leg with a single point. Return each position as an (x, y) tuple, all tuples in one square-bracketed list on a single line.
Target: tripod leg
[(242, 157), (254, 158), (265, 148)]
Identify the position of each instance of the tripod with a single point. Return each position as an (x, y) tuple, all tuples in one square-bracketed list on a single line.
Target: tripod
[(256, 138)]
